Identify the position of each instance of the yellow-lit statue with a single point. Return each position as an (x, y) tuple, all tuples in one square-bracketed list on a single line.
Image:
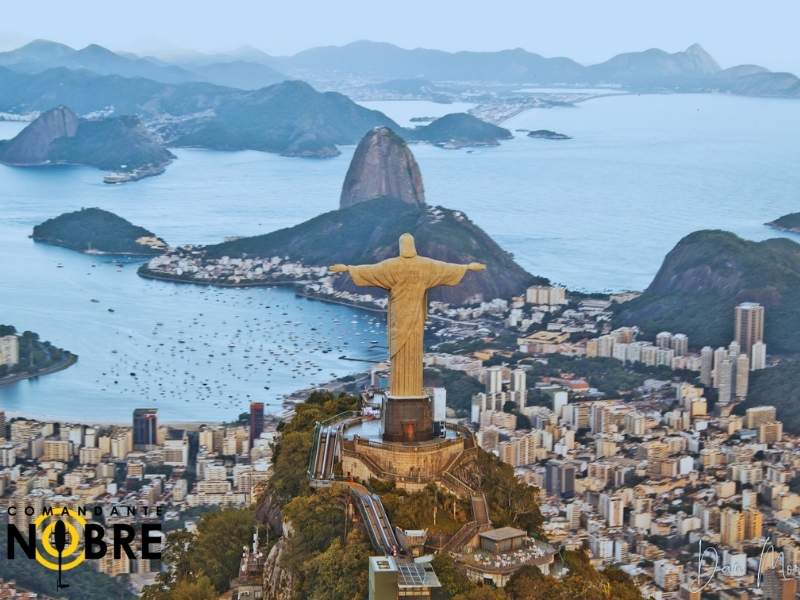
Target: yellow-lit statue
[(408, 278)]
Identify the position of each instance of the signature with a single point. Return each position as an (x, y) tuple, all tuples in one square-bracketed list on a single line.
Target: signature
[(768, 560)]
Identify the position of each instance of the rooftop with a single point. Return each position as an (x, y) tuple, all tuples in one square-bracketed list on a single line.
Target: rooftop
[(503, 533)]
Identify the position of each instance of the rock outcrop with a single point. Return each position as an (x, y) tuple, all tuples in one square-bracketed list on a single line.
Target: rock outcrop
[(58, 136), (382, 167), (34, 144), (278, 582)]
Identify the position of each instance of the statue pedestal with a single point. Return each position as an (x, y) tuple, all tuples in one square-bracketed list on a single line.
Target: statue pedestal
[(407, 419)]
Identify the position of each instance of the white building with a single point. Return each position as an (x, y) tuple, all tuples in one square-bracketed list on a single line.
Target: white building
[(9, 350)]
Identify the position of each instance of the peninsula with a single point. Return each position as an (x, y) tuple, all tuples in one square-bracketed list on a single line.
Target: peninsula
[(25, 355), (790, 223), (59, 137)]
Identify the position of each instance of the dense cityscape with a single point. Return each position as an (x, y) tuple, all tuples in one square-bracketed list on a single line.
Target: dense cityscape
[(247, 352), (640, 480)]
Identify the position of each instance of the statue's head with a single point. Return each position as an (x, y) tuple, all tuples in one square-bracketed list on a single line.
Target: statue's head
[(407, 247)]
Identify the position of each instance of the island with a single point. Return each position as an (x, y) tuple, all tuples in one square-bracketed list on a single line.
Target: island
[(24, 355), (458, 130), (790, 223), (97, 231), (546, 134)]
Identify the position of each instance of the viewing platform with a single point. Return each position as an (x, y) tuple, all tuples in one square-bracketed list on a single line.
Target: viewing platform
[(350, 446)]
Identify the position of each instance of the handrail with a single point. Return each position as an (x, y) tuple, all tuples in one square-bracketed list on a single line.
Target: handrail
[(339, 416), (462, 536), (400, 447), (312, 459), (380, 472)]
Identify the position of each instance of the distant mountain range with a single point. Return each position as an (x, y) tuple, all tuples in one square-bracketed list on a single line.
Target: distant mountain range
[(186, 107), (41, 55), (289, 118), (651, 70), (248, 68)]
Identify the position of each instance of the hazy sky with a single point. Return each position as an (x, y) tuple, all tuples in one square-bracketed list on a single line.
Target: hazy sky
[(733, 31)]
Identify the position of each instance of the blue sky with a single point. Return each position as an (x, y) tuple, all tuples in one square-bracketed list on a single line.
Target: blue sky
[(733, 31)]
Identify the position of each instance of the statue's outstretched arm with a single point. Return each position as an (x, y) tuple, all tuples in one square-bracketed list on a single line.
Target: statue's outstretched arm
[(376, 275)]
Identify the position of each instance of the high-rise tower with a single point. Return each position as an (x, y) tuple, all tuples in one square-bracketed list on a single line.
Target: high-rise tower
[(749, 325), (145, 428), (256, 421)]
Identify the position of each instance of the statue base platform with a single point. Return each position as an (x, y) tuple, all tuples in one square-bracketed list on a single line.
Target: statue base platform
[(407, 419), (410, 466)]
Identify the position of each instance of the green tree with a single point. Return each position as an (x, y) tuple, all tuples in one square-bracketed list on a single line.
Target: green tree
[(217, 550), (431, 509), (338, 573), (511, 502), (290, 462), (482, 593), (623, 587), (316, 521), (197, 589), (208, 559), (454, 581)]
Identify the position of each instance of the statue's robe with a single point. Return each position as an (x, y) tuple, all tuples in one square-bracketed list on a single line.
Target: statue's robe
[(408, 281)]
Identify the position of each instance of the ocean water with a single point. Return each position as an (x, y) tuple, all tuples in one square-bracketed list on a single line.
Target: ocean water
[(403, 112), (597, 212)]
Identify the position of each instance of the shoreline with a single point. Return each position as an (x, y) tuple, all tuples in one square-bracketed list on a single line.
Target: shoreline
[(54, 368), (781, 228), (40, 240), (320, 298), (289, 401), (146, 274)]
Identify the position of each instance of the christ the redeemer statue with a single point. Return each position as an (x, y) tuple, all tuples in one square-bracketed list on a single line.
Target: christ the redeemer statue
[(407, 278)]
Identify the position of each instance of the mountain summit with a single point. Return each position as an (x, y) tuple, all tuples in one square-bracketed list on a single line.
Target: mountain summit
[(382, 167), (34, 144)]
